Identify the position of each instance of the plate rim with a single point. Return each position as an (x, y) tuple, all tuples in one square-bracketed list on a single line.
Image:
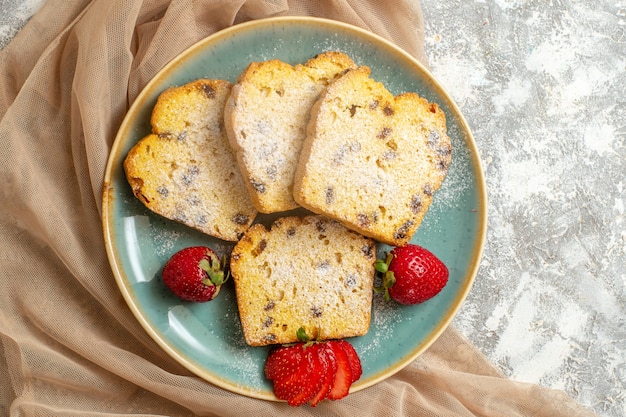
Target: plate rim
[(475, 158)]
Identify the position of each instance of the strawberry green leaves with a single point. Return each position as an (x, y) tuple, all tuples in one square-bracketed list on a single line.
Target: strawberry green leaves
[(214, 267)]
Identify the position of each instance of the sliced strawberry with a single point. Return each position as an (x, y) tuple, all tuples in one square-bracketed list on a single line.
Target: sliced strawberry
[(329, 367), (298, 387), (311, 380), (285, 366), (283, 362), (343, 376), (353, 357), (312, 371), (289, 388)]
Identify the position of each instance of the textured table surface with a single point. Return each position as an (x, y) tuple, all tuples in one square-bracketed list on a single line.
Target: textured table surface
[(543, 86), (542, 83)]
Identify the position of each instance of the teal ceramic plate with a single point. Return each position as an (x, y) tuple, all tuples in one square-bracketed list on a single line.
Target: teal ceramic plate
[(207, 338)]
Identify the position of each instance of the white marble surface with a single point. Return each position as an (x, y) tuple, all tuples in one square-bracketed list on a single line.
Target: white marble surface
[(13, 15), (543, 85)]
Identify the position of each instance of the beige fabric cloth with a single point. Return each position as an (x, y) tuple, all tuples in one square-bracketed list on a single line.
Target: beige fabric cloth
[(69, 345)]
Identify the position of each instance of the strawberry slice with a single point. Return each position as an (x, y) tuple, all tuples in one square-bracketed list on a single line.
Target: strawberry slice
[(300, 385), (287, 389), (329, 367), (343, 376), (353, 357), (283, 362), (286, 366), (311, 379)]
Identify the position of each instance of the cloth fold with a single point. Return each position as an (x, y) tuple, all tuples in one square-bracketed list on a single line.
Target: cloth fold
[(69, 345)]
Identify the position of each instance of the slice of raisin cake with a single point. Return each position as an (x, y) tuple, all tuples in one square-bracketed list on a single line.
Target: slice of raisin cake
[(185, 170), (371, 160), (308, 272), (266, 117)]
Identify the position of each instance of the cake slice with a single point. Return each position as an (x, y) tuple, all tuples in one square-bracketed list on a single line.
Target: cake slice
[(371, 160), (266, 117), (185, 170), (308, 272)]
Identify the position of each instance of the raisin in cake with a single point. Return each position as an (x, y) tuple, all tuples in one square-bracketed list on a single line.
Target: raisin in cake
[(185, 170), (306, 272), (371, 160), (266, 117)]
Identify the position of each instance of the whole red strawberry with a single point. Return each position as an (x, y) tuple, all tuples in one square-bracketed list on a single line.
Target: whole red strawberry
[(310, 371), (412, 274), (194, 274)]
